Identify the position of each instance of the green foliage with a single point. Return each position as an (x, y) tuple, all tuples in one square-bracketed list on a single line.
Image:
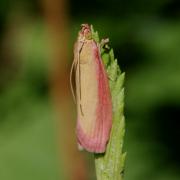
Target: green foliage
[(28, 146), (110, 165), (148, 39)]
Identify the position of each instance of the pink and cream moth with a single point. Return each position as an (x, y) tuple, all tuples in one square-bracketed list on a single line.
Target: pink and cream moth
[(92, 96)]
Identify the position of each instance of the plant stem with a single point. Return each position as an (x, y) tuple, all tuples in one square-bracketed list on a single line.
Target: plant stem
[(110, 165)]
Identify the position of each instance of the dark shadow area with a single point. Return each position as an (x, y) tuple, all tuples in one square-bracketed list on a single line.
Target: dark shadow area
[(166, 129), (130, 54), (171, 9)]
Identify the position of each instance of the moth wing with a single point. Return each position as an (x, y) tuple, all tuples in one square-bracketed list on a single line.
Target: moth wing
[(93, 127)]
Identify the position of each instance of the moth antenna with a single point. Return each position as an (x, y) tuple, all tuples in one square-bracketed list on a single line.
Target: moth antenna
[(72, 89), (80, 86), (80, 78), (81, 110)]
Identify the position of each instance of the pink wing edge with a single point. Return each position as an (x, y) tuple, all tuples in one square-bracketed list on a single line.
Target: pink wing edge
[(101, 135)]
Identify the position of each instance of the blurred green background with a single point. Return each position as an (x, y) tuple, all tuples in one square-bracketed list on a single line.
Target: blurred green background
[(145, 36)]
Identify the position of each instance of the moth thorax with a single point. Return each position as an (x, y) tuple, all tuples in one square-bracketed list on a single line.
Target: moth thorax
[(86, 53)]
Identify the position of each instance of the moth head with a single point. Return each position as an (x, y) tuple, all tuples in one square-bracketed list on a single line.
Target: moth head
[(85, 46), (85, 32)]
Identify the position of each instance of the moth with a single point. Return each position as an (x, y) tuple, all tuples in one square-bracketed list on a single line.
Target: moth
[(92, 93)]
